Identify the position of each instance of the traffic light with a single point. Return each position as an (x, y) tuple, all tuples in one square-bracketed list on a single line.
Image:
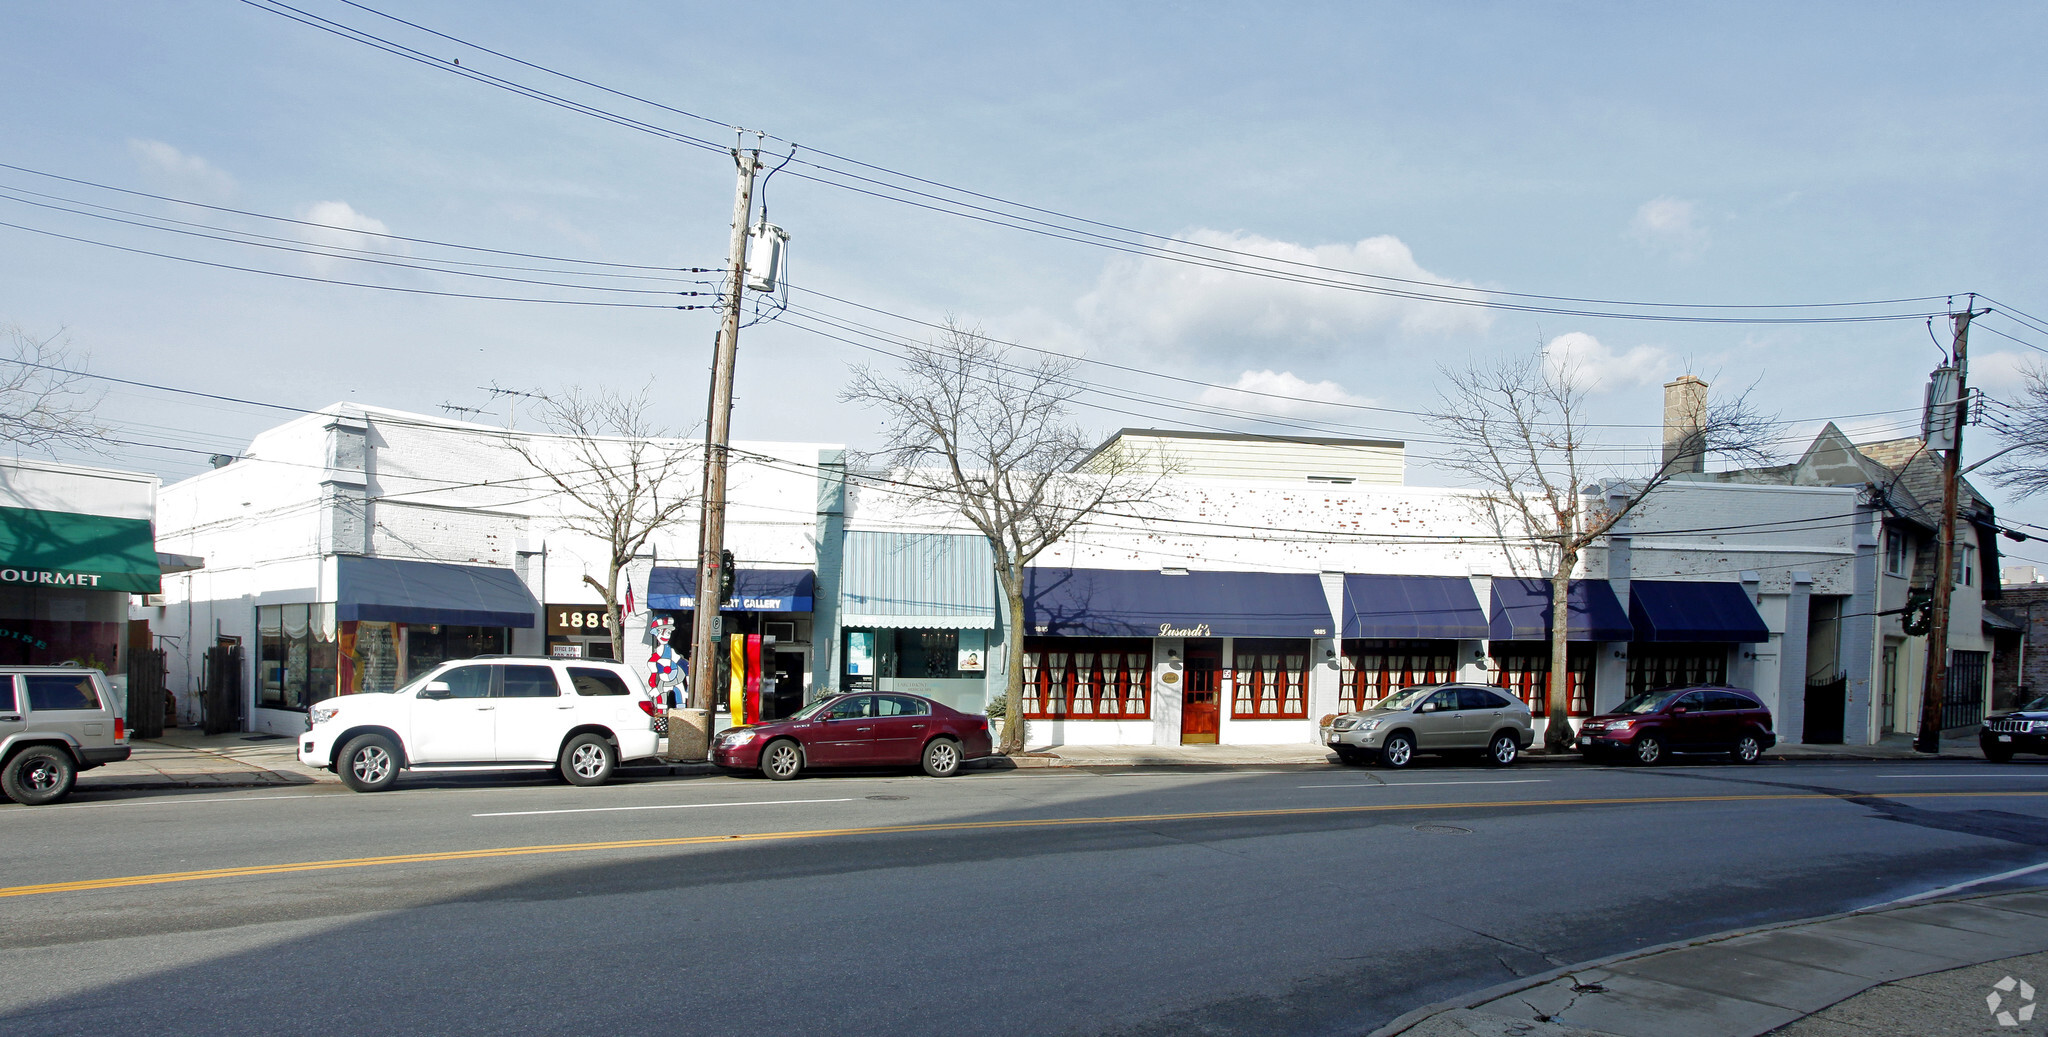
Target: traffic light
[(726, 578)]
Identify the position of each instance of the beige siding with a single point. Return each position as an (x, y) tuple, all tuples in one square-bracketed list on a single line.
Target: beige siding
[(1264, 460)]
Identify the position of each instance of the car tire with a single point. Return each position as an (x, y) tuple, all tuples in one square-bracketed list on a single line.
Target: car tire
[(368, 763), (942, 757), (1997, 753), (1398, 751), (39, 774), (782, 759), (1748, 749), (1647, 750), (1504, 750), (588, 760)]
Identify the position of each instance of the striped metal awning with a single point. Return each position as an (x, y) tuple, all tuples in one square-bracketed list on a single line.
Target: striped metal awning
[(944, 581)]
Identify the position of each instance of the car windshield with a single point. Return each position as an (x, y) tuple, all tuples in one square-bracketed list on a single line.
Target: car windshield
[(811, 710), (1647, 702), (2037, 704), (1405, 698)]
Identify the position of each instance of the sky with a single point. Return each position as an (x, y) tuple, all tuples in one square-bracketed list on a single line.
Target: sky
[(1729, 155)]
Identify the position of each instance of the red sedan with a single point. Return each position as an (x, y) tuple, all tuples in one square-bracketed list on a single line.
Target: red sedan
[(859, 730)]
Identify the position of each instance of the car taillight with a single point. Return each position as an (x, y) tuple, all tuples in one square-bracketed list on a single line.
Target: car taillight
[(647, 706), (120, 729)]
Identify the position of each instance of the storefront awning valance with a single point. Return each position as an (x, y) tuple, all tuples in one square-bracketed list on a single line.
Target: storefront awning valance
[(1148, 603), (1681, 610), (754, 590), (943, 581), (398, 590), (83, 552), (1521, 611), (1439, 607)]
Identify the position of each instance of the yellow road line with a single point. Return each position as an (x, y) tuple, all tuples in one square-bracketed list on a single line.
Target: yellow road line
[(944, 826)]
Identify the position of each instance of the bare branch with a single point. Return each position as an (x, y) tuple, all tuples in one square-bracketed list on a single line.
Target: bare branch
[(44, 399), (2025, 472)]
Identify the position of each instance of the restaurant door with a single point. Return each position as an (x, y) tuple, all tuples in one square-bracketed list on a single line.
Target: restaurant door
[(1201, 702)]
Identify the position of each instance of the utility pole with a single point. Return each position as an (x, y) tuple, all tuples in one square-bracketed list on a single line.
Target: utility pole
[(1929, 738), (706, 626)]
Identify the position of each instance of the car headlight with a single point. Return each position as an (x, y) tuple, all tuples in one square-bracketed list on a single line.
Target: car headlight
[(1370, 726), (2036, 725), (322, 714), (736, 738)]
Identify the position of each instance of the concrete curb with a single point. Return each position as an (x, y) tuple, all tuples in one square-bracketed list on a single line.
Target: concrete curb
[(1411, 1019)]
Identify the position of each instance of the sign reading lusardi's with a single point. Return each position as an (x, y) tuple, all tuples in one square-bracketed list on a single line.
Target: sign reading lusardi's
[(1150, 603), (83, 552)]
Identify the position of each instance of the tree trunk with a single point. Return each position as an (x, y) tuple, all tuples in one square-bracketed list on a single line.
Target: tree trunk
[(1013, 682), (1557, 734)]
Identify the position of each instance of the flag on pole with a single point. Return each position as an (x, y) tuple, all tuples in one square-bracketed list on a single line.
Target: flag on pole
[(629, 598)]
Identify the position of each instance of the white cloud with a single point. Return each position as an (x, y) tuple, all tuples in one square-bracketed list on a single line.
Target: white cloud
[(1279, 392), (186, 174), (1595, 366), (343, 227), (1669, 225), (2001, 374), (1159, 304)]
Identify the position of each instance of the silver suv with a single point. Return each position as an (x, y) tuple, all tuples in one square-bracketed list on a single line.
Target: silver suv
[(1433, 718), (54, 722)]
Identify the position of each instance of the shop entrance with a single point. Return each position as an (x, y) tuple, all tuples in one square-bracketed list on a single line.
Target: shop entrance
[(1201, 701)]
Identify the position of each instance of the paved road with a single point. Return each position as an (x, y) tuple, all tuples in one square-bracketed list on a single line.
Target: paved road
[(1295, 900)]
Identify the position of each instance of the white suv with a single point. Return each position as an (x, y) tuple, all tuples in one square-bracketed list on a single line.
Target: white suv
[(486, 714)]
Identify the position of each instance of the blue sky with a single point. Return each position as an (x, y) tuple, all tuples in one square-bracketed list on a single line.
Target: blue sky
[(1728, 153)]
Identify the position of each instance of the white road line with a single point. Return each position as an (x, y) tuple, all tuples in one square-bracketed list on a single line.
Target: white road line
[(1945, 890), (1409, 784), (664, 806), (2036, 775)]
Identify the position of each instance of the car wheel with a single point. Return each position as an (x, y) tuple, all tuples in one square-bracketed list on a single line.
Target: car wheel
[(39, 774), (1649, 749), (782, 760), (942, 758), (588, 759), (1997, 753), (1398, 751), (368, 763), (1747, 749), (1504, 750)]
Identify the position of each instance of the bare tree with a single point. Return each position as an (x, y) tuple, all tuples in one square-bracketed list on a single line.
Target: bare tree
[(43, 399), (979, 432), (625, 478), (2025, 430), (1516, 428)]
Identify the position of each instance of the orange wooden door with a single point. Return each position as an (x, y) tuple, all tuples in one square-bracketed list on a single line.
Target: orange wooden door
[(1201, 701)]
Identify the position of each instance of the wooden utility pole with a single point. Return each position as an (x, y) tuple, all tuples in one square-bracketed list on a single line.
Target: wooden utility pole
[(1929, 738), (706, 628)]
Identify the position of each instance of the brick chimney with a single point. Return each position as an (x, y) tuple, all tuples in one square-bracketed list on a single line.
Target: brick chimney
[(1685, 412)]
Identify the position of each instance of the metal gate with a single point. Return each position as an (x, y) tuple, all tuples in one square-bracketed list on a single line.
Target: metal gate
[(146, 705), (220, 704), (1826, 702), (1962, 701)]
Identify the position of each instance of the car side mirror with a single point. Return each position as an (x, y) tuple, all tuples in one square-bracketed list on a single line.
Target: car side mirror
[(436, 690)]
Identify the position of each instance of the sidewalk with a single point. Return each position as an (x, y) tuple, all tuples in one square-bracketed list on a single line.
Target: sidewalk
[(187, 758), (1919, 968)]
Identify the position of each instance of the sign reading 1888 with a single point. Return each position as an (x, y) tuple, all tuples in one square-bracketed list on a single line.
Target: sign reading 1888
[(572, 620)]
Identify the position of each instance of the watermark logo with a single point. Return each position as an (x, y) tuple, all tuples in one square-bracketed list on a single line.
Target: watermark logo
[(2011, 1011)]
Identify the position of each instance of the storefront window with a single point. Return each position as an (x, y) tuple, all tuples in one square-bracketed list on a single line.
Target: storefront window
[(1087, 679), (1376, 668), (1523, 667), (1271, 679), (428, 645), (296, 661), (1651, 667)]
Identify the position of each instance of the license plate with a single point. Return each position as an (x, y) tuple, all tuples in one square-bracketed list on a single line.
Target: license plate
[(2005, 738)]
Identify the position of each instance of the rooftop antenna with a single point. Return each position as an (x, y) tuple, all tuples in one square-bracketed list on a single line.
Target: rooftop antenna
[(464, 411), (512, 397)]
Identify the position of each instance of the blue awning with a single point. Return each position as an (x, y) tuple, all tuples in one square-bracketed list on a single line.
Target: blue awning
[(944, 581), (1678, 610), (754, 590), (1148, 603), (1521, 611), (396, 590), (1440, 607)]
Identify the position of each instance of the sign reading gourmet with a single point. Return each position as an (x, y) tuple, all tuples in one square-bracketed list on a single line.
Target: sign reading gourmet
[(85, 552), (1149, 603), (49, 579)]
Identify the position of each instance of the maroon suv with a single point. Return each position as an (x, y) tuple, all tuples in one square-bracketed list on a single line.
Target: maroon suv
[(859, 730), (1650, 727)]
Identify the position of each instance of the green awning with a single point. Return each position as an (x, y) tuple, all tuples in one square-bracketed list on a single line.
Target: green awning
[(90, 552)]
